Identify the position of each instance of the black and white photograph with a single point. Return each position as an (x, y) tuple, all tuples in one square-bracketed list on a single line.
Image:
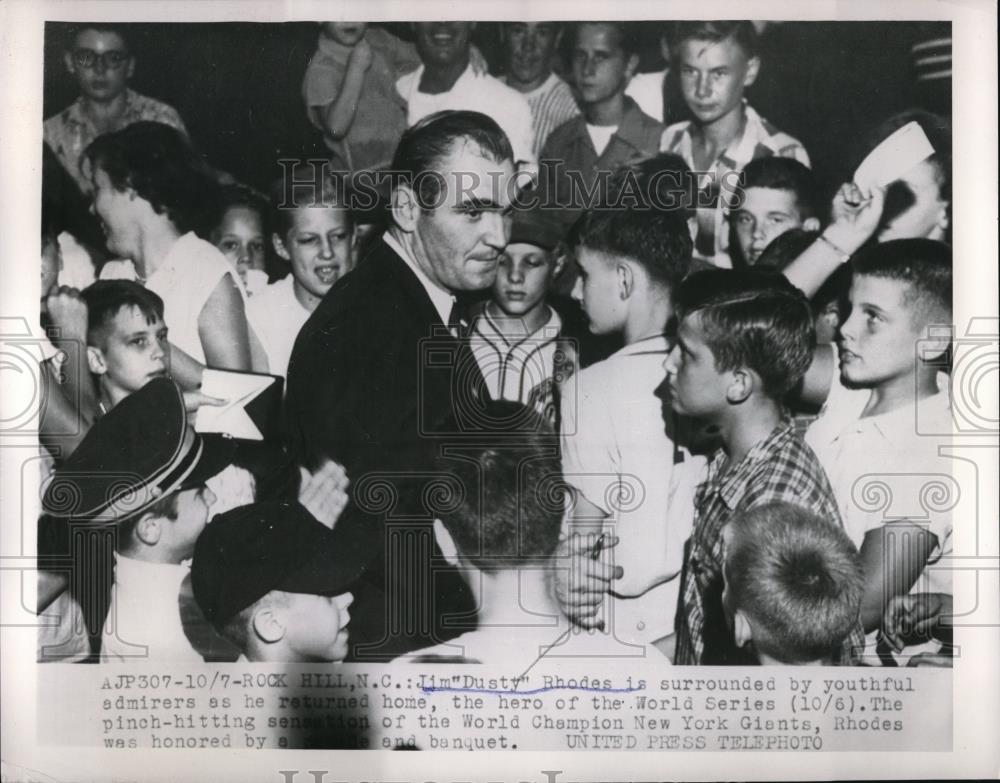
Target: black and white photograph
[(537, 382)]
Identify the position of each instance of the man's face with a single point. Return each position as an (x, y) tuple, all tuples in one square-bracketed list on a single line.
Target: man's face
[(319, 246), (601, 68), (697, 388), (443, 43), (458, 243), (713, 77), (523, 279), (101, 64), (927, 215), (133, 351), (766, 214), (316, 625), (878, 340), (597, 290), (240, 237), (529, 48)]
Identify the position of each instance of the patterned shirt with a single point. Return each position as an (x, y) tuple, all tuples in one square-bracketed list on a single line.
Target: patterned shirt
[(779, 468), (760, 139), (551, 105), (70, 132)]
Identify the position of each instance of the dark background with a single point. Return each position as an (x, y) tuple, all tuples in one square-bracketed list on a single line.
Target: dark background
[(238, 85)]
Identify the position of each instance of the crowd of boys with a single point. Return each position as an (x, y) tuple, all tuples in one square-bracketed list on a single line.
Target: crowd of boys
[(674, 403)]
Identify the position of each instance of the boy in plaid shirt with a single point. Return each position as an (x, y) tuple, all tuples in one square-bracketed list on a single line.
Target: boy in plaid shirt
[(744, 339)]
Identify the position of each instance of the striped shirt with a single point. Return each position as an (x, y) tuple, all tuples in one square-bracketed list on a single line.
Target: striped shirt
[(551, 105), (779, 468), (760, 139)]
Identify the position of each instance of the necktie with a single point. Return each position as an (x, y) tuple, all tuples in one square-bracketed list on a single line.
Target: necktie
[(455, 321)]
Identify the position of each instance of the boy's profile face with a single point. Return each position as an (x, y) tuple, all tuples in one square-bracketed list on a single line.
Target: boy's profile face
[(601, 68), (192, 516), (345, 33), (927, 215), (713, 77), (766, 214), (319, 246), (316, 625), (101, 64), (597, 291), (697, 388), (240, 237), (118, 212), (130, 350), (879, 338), (523, 278), (529, 46)]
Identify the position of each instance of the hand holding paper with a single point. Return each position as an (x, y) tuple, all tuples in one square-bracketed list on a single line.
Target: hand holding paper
[(249, 402), (893, 158)]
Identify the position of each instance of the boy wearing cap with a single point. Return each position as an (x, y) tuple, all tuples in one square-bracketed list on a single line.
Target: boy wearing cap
[(515, 334), (272, 579)]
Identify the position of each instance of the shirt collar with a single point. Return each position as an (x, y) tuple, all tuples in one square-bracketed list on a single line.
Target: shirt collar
[(440, 298), (732, 486), (899, 426)]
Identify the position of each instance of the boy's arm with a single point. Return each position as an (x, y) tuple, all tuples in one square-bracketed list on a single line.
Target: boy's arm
[(855, 219), (68, 312), (63, 425), (223, 330), (893, 556), (338, 115)]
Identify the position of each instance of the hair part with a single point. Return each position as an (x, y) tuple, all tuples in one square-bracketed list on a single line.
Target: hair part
[(753, 319), (797, 577), (106, 298)]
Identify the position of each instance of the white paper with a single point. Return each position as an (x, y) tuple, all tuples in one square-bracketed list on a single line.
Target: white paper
[(895, 156), (238, 389)]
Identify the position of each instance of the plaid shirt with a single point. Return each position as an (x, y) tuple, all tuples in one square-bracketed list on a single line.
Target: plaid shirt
[(760, 139), (779, 468)]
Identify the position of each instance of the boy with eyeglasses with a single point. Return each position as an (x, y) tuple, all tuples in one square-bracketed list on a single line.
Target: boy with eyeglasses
[(99, 59)]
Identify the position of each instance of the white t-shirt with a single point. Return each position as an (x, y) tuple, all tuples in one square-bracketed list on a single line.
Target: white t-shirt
[(482, 93), (145, 612), (617, 452), (277, 317), (601, 135)]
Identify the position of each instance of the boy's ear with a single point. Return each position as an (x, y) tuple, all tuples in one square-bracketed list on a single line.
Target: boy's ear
[(740, 386), (149, 529), (405, 208), (267, 625), (446, 542), (626, 281), (131, 68), (279, 246), (811, 224), (558, 264), (753, 68), (665, 49), (742, 633), (692, 223), (68, 62), (632, 65), (935, 343), (95, 360)]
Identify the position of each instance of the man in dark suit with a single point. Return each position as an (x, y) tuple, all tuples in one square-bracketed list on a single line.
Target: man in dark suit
[(379, 382)]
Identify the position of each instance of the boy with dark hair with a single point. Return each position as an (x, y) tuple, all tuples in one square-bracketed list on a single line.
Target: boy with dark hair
[(503, 535), (126, 338), (612, 130), (616, 444), (273, 580), (98, 57), (888, 409), (744, 339), (793, 585), (716, 62), (779, 194)]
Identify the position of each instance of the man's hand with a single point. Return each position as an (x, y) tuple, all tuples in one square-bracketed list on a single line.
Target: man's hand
[(911, 616), (324, 492), (854, 216), (195, 399), (68, 312), (590, 575)]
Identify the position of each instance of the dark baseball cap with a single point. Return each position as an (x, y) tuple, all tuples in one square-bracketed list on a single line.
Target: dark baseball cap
[(249, 551)]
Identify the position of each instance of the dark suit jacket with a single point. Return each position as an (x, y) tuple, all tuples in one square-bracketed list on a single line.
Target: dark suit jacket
[(378, 384)]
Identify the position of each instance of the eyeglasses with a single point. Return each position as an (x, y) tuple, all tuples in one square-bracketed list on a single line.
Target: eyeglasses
[(110, 60)]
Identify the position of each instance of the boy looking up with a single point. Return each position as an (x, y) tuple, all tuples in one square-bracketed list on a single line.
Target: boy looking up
[(744, 339), (716, 62), (618, 452), (886, 409), (793, 585), (778, 195), (99, 59), (273, 580)]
